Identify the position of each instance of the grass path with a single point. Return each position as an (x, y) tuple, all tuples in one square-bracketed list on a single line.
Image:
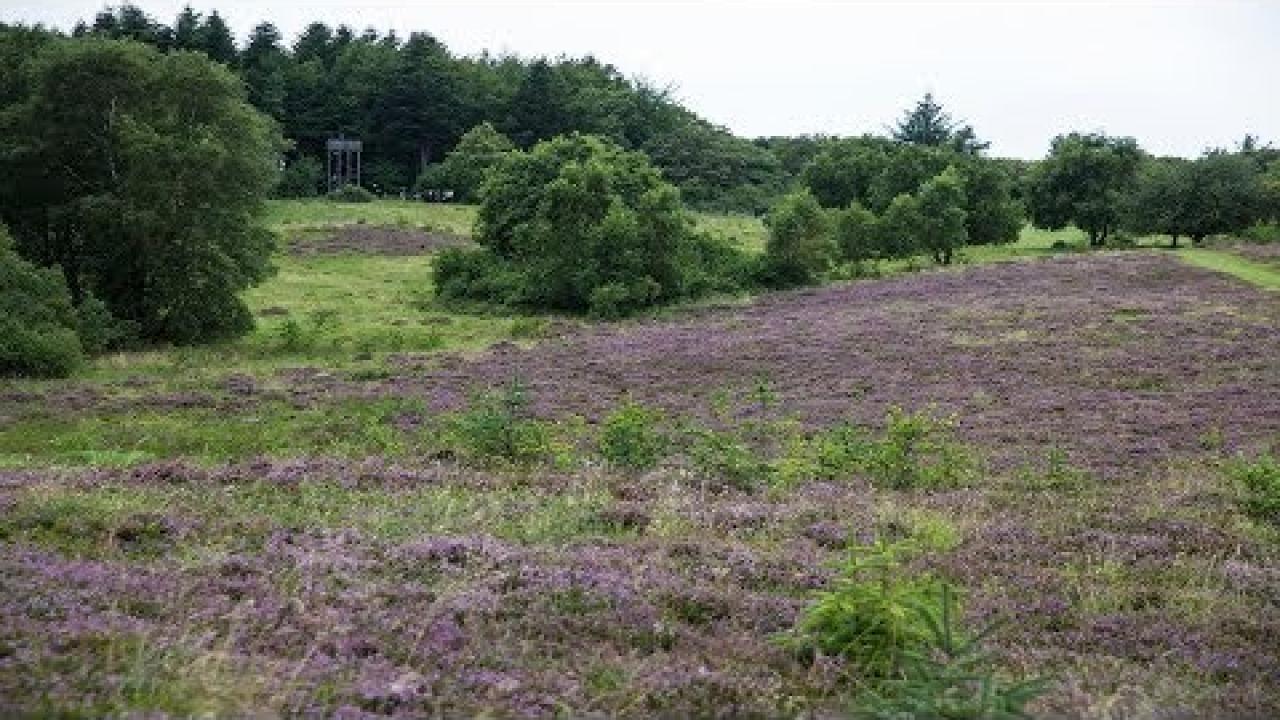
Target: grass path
[(1224, 262)]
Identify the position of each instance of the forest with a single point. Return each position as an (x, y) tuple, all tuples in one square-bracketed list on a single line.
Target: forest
[(577, 404)]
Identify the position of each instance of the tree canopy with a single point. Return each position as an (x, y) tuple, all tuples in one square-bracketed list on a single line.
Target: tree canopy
[(1084, 181), (140, 174)]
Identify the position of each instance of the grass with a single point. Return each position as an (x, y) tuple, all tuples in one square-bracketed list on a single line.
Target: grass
[(350, 429), (1224, 262), (286, 216)]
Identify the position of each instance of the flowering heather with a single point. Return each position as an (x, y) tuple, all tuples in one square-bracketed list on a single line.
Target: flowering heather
[(414, 584)]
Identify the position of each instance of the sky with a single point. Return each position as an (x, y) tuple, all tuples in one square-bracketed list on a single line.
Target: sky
[(1179, 76)]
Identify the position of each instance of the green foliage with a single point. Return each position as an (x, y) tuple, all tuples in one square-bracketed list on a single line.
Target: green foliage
[(900, 227), (351, 194), (38, 324), (951, 678), (159, 220), (917, 451), (872, 615), (496, 427), (580, 224), (631, 437), (1258, 482), (1217, 193), (928, 124), (800, 248), (724, 456), (942, 230), (856, 233), (301, 179), (464, 169), (99, 330), (1084, 181)]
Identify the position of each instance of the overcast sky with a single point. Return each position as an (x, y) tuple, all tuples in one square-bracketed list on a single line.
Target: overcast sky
[(1177, 75)]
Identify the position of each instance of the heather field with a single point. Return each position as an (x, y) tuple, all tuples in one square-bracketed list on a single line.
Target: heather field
[(380, 506)]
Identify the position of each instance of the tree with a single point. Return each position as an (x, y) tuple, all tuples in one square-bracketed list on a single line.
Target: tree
[(993, 215), (576, 223), (37, 320), (1084, 181), (1217, 193), (856, 233), (480, 150), (900, 227), (186, 30), (1224, 194), (141, 175), (1157, 204), (845, 171), (800, 247), (215, 39), (262, 66), (942, 227), (929, 125)]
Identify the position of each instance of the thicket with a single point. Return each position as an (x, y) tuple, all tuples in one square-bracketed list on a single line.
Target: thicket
[(579, 224)]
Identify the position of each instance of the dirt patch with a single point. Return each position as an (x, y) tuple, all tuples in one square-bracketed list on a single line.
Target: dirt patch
[(373, 240)]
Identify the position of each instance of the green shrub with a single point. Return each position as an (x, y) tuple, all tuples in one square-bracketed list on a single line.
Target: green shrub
[(351, 194), (871, 617), (710, 265), (301, 179), (495, 426), (950, 678), (917, 451), (1258, 482), (38, 324), (462, 274), (631, 437), (801, 247), (721, 455), (99, 330)]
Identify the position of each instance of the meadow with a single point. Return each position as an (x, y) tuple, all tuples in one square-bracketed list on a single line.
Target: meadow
[(380, 505)]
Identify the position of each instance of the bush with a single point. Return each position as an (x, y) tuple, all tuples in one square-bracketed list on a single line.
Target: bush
[(917, 451), (99, 330), (800, 248), (952, 678), (856, 234), (302, 178), (576, 224), (38, 324), (351, 194), (631, 437), (871, 617), (1258, 482), (496, 427)]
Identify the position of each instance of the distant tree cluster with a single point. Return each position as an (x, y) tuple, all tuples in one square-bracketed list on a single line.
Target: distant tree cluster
[(412, 101), (1103, 184), (929, 191)]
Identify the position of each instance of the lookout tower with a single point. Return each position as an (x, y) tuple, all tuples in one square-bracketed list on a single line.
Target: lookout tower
[(343, 162)]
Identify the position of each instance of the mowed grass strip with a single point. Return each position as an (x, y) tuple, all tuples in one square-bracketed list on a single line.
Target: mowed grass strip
[(1256, 273)]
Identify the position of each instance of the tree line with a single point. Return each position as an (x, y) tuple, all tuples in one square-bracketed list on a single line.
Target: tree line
[(411, 100)]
